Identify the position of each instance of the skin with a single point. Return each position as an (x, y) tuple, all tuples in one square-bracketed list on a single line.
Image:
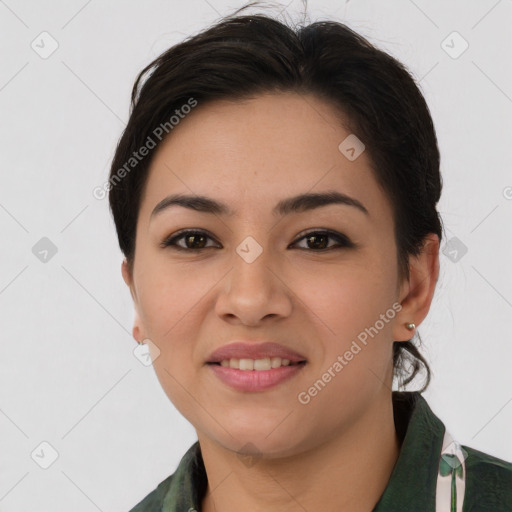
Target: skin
[(338, 451)]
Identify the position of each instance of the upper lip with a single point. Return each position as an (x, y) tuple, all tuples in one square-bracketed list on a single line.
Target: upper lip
[(246, 350)]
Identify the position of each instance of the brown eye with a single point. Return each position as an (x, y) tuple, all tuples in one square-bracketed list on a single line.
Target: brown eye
[(319, 240), (192, 240)]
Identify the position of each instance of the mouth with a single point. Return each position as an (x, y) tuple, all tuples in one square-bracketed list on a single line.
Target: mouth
[(263, 364), (245, 355), (255, 375)]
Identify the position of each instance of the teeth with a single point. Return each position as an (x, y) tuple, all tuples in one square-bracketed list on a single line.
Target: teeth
[(246, 364), (255, 364)]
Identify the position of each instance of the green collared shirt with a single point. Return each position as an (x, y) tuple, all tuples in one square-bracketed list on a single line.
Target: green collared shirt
[(413, 482)]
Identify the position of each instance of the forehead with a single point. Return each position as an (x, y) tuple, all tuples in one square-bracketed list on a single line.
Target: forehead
[(259, 151)]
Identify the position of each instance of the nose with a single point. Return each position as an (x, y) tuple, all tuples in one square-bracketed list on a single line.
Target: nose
[(253, 291)]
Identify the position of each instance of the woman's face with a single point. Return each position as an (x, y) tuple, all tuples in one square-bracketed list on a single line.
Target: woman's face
[(259, 278)]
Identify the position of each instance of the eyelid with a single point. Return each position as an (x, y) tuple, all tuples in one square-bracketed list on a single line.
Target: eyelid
[(181, 233), (344, 242)]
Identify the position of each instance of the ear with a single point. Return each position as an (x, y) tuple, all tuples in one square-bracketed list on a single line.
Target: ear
[(416, 294), (127, 273)]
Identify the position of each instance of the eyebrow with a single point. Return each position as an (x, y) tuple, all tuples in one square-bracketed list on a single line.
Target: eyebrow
[(295, 204)]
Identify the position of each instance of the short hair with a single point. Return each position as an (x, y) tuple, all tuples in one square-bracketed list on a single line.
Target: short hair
[(240, 57)]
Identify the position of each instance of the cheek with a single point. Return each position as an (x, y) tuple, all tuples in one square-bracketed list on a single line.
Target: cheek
[(167, 294), (172, 302), (356, 330), (347, 298), (171, 313), (352, 308)]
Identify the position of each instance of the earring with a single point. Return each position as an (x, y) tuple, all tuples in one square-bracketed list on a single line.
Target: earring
[(410, 326)]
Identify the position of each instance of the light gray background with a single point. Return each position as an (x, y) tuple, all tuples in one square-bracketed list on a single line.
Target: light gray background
[(68, 373)]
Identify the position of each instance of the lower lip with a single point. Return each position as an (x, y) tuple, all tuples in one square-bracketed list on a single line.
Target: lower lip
[(255, 380)]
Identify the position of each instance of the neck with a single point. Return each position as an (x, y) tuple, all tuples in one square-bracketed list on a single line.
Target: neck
[(348, 472)]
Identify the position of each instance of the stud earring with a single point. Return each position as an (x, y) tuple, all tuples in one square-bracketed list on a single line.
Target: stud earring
[(410, 326)]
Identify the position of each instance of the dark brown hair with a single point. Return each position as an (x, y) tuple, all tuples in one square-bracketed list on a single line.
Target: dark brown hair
[(242, 56)]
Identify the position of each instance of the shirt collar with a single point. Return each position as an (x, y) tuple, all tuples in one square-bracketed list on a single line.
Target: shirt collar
[(412, 485)]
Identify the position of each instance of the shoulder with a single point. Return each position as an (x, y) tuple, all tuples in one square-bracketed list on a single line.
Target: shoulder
[(488, 482), (183, 490), (154, 500)]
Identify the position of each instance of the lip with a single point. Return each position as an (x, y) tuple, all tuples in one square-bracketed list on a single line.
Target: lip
[(254, 380), (246, 350)]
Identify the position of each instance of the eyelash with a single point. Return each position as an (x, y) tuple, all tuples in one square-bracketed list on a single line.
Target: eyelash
[(343, 241)]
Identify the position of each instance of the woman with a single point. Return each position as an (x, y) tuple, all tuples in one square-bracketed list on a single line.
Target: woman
[(274, 195)]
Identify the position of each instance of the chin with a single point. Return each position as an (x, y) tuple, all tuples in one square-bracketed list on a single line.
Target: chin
[(257, 444)]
